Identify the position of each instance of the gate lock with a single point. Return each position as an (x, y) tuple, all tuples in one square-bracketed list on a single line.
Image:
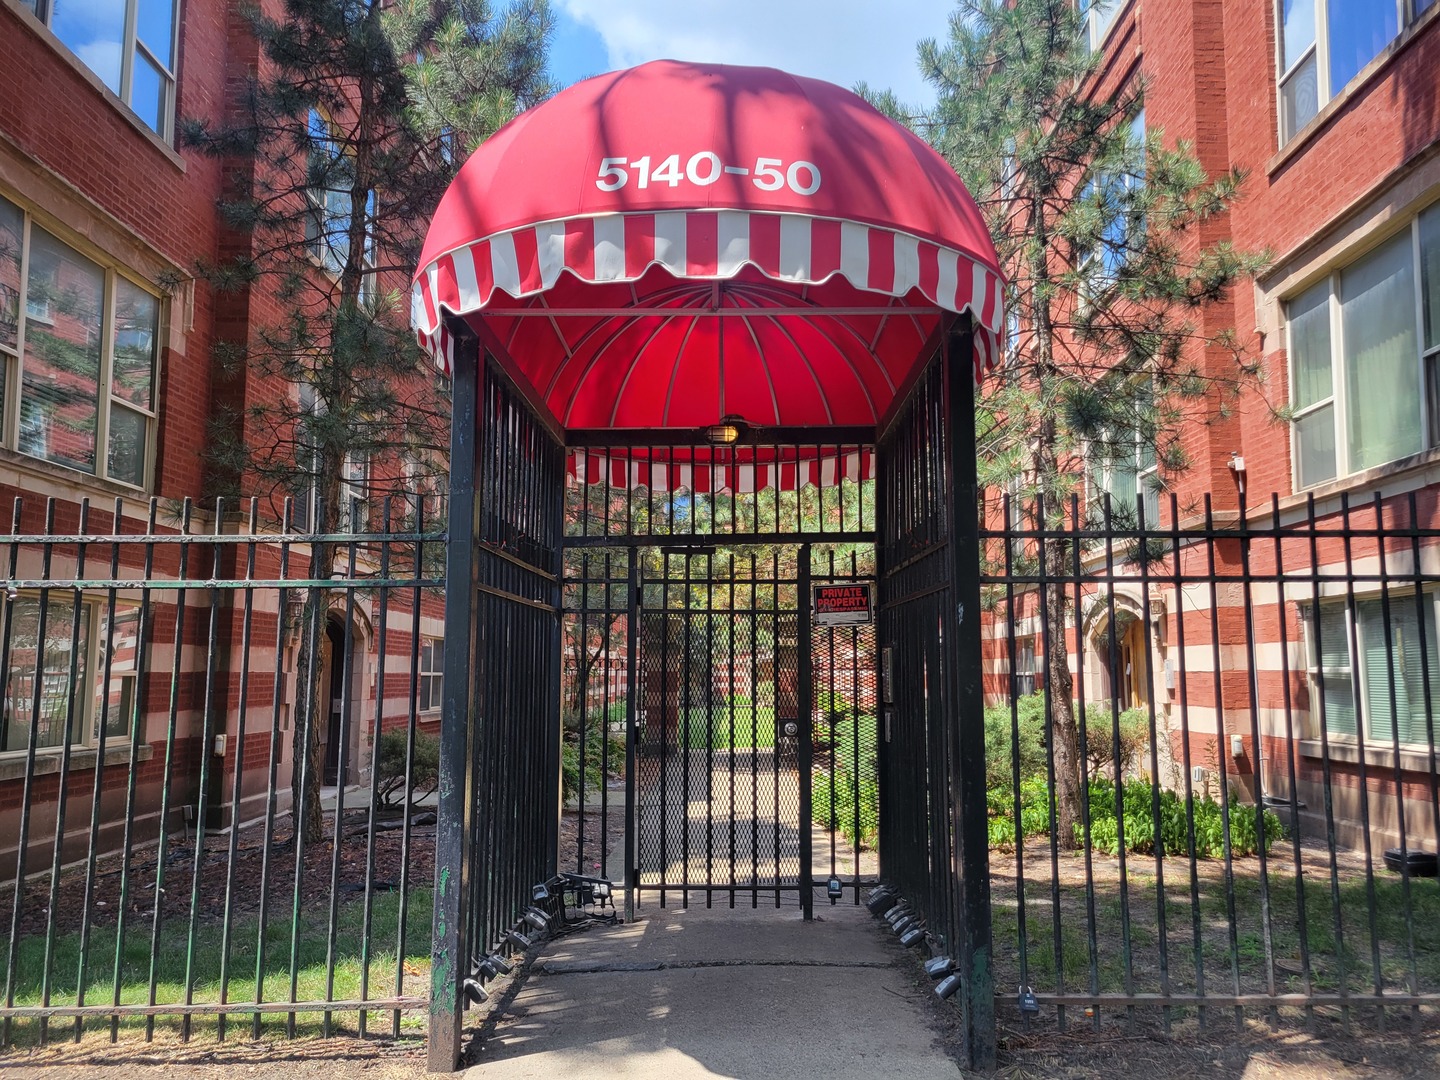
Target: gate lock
[(792, 729), (1028, 1001)]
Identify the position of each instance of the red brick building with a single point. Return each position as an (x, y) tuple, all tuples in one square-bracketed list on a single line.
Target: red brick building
[(107, 388), (1332, 109)]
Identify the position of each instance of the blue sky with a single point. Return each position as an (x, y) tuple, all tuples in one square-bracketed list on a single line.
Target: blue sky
[(844, 41)]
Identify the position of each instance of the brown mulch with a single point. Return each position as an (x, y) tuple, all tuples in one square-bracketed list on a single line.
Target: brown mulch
[(217, 878)]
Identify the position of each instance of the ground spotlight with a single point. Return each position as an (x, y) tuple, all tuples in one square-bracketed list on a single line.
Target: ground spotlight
[(881, 900), (937, 967), (913, 936), (474, 991), (947, 986), (493, 966)]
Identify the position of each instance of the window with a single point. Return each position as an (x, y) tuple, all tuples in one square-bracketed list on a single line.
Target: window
[(129, 44), (1122, 224), (1095, 19), (327, 223), (1377, 660), (354, 486), (425, 492), (78, 344), (1324, 44), (1025, 679), (368, 267), (56, 646), (1121, 463), (432, 673), (1364, 346)]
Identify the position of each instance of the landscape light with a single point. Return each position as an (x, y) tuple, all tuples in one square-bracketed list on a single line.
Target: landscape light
[(474, 991), (937, 967), (881, 900)]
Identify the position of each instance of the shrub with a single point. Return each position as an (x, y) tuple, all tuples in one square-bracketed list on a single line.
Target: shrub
[(1100, 738), (390, 767), (859, 822), (1000, 738), (1137, 801)]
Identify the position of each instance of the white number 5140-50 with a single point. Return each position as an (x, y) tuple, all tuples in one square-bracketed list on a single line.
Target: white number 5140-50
[(705, 168)]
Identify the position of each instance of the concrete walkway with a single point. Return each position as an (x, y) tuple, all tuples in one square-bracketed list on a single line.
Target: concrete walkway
[(755, 995)]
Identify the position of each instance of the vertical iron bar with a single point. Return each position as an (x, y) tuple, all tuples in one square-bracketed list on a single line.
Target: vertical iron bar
[(805, 745), (449, 949)]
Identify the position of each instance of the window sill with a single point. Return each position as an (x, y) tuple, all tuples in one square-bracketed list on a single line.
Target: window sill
[(1382, 757), (44, 33), (47, 762), (431, 716), (1367, 481), (17, 468), (1353, 89)]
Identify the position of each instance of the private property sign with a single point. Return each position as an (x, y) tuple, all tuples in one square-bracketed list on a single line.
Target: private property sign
[(844, 605)]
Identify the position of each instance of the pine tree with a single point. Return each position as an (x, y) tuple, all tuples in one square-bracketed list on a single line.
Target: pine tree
[(335, 159), (1105, 232)]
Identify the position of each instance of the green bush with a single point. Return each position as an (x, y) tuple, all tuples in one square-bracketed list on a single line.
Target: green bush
[(390, 767), (595, 739), (858, 820), (1138, 802), (1000, 738), (1100, 738), (742, 726)]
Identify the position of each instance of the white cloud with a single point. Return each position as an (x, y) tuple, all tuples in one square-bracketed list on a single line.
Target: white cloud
[(843, 41)]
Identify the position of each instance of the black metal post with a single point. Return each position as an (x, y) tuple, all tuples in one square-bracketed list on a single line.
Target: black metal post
[(967, 778), (448, 949), (805, 742)]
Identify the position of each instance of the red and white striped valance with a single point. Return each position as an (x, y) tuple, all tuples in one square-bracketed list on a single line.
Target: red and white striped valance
[(700, 472), (705, 244)]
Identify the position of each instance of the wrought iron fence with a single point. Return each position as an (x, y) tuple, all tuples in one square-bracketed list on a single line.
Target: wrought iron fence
[(165, 669), (1222, 796)]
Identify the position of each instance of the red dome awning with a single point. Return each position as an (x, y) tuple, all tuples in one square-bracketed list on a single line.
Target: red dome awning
[(667, 245)]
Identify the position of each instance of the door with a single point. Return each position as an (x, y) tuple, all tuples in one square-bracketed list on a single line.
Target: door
[(722, 752)]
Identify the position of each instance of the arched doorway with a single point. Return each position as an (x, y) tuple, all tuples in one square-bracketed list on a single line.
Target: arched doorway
[(339, 729)]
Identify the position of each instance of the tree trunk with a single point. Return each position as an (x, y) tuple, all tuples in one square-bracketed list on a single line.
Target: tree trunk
[(306, 765), (1064, 731)]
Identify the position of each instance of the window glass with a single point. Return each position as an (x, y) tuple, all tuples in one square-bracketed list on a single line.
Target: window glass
[(149, 92), (40, 677), (1297, 31), (12, 235), (121, 636), (1299, 98), (1429, 274), (1358, 30), (1395, 665), (1315, 447), (154, 23), (125, 456), (1377, 298), (1335, 673), (94, 30), (63, 347), (137, 315), (1309, 317)]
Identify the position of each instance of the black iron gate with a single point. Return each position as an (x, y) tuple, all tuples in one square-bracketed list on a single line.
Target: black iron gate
[(749, 767)]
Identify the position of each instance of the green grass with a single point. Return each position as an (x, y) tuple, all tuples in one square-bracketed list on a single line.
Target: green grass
[(205, 962), (743, 726), (1355, 961)]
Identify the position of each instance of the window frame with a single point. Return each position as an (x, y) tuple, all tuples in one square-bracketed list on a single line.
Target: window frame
[(430, 680), (1357, 672), (1407, 12), (99, 632), (1427, 361), (12, 363), (44, 11)]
